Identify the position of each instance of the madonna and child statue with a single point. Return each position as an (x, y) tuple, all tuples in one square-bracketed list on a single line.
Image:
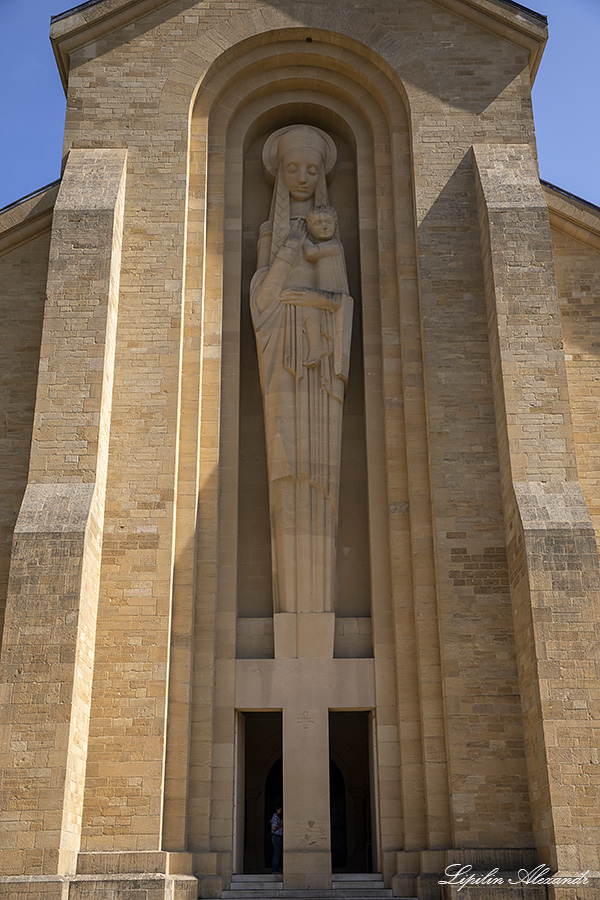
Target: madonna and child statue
[(302, 316)]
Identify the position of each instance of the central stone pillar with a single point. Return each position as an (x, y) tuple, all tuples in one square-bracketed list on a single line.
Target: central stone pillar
[(306, 829)]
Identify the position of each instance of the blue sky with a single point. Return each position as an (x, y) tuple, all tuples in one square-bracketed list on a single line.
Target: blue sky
[(566, 97)]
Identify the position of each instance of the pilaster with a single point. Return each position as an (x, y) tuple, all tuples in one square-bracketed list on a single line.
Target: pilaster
[(553, 556), (48, 652)]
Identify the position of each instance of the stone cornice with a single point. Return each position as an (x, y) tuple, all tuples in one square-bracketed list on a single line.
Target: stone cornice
[(93, 20), (25, 219), (573, 216)]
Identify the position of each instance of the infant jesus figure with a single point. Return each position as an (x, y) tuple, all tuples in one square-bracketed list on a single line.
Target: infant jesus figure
[(325, 251)]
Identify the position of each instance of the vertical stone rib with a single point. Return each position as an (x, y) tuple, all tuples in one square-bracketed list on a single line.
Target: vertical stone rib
[(48, 654), (552, 549)]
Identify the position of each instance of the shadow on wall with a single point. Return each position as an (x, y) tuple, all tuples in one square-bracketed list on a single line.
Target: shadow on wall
[(433, 51)]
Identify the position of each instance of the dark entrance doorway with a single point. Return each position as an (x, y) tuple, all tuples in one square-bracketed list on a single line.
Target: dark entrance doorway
[(337, 811), (350, 795), (273, 799), (263, 787)]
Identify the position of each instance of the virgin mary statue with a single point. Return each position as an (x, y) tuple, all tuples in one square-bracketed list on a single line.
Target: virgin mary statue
[(302, 316)]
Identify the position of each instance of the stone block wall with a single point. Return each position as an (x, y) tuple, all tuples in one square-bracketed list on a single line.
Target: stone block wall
[(553, 555), (135, 470), (48, 651)]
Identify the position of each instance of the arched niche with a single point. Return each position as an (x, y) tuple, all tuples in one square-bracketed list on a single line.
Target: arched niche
[(254, 552), (268, 86), (253, 89)]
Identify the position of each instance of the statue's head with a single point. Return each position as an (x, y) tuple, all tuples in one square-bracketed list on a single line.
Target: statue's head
[(300, 153), (322, 222), (297, 159), (300, 171)]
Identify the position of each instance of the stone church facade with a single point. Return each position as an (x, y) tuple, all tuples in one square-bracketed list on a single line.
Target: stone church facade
[(412, 670)]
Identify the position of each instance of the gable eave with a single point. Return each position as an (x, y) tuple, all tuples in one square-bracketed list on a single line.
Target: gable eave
[(89, 21), (506, 19), (93, 19)]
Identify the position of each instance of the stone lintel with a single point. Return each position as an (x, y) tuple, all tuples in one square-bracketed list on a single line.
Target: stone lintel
[(326, 683)]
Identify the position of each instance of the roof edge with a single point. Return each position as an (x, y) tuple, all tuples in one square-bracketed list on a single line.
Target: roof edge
[(509, 20), (24, 219), (572, 215), (29, 196), (68, 12), (530, 12)]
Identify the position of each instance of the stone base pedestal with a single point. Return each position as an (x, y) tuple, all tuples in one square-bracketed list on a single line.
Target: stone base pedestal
[(161, 862), (304, 635), (404, 885), (93, 887), (210, 886), (307, 871), (134, 887), (22, 887), (445, 874)]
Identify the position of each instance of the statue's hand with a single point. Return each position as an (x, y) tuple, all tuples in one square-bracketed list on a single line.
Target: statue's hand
[(297, 234)]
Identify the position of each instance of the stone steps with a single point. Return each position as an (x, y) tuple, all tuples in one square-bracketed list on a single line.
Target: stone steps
[(278, 893), (360, 886)]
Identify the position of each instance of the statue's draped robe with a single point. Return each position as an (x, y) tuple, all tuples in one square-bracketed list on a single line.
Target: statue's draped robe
[(303, 408)]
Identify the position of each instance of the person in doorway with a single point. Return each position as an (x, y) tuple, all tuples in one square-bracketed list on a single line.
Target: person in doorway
[(277, 838)]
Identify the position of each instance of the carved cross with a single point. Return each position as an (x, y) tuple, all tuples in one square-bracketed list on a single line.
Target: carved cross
[(305, 719)]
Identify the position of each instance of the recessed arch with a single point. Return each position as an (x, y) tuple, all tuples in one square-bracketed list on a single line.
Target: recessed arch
[(389, 52), (250, 90)]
